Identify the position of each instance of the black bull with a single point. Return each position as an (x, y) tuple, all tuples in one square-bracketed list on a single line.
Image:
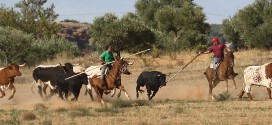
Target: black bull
[(50, 74), (152, 80)]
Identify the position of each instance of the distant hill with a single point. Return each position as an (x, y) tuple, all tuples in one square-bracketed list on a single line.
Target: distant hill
[(75, 32)]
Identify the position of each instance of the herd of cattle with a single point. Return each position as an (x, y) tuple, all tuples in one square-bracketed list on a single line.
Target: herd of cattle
[(62, 79)]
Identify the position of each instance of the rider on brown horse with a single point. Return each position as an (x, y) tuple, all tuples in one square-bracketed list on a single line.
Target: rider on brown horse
[(218, 51), (106, 57)]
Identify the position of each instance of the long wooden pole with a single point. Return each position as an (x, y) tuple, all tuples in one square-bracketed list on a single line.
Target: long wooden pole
[(183, 68), (107, 63)]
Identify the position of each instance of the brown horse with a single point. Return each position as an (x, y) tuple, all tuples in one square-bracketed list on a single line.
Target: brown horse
[(224, 72), (113, 80)]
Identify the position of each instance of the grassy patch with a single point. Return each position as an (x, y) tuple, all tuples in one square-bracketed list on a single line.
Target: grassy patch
[(28, 116), (79, 112), (225, 96), (107, 110)]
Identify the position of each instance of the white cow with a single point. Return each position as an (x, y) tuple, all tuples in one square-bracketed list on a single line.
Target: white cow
[(259, 76)]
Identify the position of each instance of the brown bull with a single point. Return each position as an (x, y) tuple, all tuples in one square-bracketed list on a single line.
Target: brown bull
[(113, 80), (7, 75), (224, 72)]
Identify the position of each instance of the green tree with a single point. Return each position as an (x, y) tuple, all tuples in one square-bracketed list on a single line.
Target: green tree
[(36, 19), (251, 25), (126, 33), (181, 20)]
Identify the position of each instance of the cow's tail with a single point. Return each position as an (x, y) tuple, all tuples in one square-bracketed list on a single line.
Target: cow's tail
[(33, 83)]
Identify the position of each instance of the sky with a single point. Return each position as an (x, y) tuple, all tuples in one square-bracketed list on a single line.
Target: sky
[(87, 10)]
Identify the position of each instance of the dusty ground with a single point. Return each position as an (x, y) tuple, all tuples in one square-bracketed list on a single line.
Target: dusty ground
[(184, 98)]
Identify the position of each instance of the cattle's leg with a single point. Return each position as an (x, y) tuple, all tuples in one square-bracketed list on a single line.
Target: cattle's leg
[(148, 92), (154, 93), (60, 94), (40, 91), (137, 91), (2, 92), (241, 94), (123, 89), (76, 94), (269, 92), (12, 88), (44, 89), (234, 83), (52, 91), (66, 93), (249, 95)]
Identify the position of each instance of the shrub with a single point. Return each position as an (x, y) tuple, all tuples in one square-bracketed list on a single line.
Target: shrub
[(28, 116), (223, 97)]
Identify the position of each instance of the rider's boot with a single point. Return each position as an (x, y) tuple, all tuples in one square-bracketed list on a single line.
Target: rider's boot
[(214, 75)]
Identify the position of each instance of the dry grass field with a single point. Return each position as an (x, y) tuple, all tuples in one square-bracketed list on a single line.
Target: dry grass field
[(182, 101)]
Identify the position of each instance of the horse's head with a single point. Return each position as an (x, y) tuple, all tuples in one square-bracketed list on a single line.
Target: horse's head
[(230, 58), (123, 66)]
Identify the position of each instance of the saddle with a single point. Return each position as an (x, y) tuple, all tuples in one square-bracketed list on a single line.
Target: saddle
[(217, 64)]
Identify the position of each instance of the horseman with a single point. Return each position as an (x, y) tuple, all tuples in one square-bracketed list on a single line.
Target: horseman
[(106, 58), (218, 51)]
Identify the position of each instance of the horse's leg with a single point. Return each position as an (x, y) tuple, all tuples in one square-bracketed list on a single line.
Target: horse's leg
[(11, 87), (269, 92), (89, 90), (210, 90), (99, 96), (119, 94), (227, 85), (2, 92), (113, 92), (123, 89)]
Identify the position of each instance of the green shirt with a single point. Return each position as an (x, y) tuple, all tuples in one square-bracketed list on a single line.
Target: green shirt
[(107, 56)]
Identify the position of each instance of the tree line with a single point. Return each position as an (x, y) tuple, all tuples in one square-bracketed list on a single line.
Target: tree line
[(28, 31)]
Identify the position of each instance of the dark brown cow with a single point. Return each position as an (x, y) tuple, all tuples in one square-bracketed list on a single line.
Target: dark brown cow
[(7, 75), (224, 72)]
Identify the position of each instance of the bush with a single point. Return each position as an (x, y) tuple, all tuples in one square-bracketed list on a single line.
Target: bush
[(28, 116), (19, 47), (223, 97)]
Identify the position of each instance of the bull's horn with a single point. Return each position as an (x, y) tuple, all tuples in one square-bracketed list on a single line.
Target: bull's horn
[(131, 63), (22, 65)]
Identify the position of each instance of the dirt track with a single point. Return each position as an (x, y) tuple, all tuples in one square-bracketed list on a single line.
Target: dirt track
[(188, 84)]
